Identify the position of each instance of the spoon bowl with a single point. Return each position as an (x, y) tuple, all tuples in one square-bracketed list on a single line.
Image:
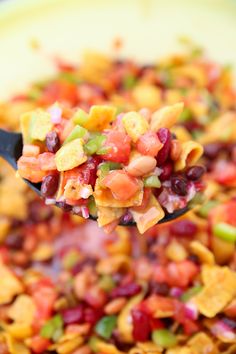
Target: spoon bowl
[(11, 145)]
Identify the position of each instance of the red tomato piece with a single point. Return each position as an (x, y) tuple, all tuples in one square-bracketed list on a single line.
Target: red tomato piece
[(149, 144), (176, 274), (119, 145), (47, 161), (29, 168), (39, 344), (61, 91), (86, 173), (224, 213), (225, 174), (44, 295), (182, 273), (156, 303), (122, 186)]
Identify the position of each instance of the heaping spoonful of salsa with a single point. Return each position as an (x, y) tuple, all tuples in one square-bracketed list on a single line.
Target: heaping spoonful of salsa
[(119, 169)]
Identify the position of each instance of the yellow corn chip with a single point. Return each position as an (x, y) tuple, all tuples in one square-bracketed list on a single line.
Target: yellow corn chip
[(107, 348), (166, 117), (14, 346), (100, 117), (107, 215), (217, 293), (103, 197), (9, 285), (201, 343), (149, 216), (22, 310), (113, 264), (202, 252)]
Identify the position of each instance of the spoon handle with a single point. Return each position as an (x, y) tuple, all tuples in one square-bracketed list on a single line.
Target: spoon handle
[(10, 146)]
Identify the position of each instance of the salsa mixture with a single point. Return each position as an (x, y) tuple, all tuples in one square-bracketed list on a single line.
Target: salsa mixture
[(66, 286), (124, 168)]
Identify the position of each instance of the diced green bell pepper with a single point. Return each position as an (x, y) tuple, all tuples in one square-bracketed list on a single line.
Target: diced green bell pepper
[(206, 208), (105, 326), (225, 231), (80, 117), (152, 182), (190, 293), (77, 133), (164, 338)]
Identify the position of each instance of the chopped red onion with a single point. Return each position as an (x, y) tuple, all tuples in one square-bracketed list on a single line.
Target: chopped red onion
[(85, 212), (158, 171), (191, 311), (85, 192), (50, 201), (223, 330), (56, 113), (176, 292), (76, 210)]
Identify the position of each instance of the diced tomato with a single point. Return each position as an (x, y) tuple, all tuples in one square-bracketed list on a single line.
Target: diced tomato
[(190, 327), (119, 145), (156, 323), (44, 295), (225, 173), (224, 213), (61, 91), (39, 344), (155, 303), (96, 297), (29, 168), (4, 254), (47, 161), (149, 144), (86, 173), (146, 197), (230, 310), (176, 274), (122, 186), (25, 163)]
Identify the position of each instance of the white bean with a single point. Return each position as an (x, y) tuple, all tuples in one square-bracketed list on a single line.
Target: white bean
[(141, 165)]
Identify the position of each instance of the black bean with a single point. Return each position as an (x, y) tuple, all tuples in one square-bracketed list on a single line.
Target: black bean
[(195, 172), (49, 185), (52, 142), (179, 185)]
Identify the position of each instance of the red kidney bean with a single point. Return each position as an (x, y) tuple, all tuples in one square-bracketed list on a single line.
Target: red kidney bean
[(179, 185), (64, 206), (164, 136), (141, 325), (183, 228), (88, 171), (126, 290), (159, 288), (195, 172), (14, 240), (52, 142), (166, 171), (38, 211), (212, 150), (92, 315), (73, 315), (49, 185)]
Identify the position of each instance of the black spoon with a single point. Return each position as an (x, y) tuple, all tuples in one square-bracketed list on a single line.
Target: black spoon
[(11, 145)]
